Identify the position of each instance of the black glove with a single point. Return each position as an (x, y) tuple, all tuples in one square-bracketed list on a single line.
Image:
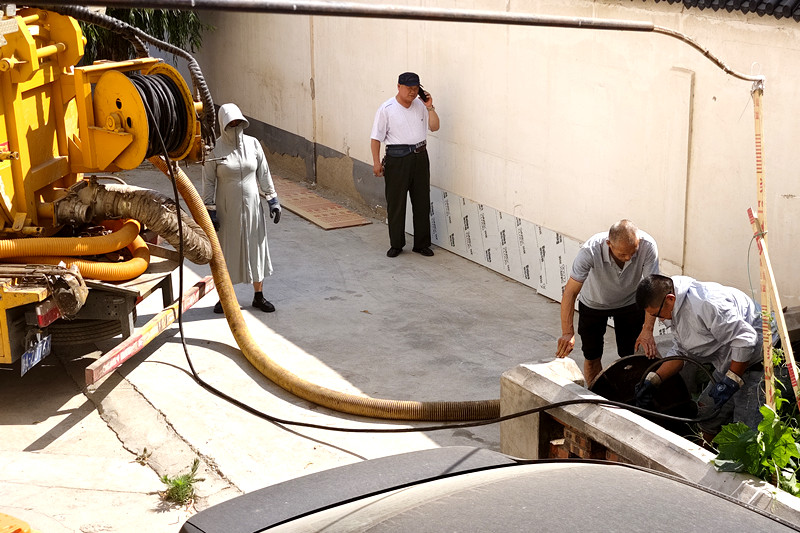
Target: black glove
[(212, 213), (723, 390), (275, 210), (646, 390)]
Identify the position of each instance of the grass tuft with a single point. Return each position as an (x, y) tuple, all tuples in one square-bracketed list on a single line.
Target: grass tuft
[(180, 489)]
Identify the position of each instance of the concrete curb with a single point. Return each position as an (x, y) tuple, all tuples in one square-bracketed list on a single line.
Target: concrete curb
[(629, 435)]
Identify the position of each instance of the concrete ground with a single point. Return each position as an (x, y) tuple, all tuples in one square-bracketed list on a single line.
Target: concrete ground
[(442, 328)]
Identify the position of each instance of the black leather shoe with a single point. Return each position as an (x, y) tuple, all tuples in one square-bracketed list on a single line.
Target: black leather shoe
[(427, 252), (263, 304), (219, 310), (393, 252)]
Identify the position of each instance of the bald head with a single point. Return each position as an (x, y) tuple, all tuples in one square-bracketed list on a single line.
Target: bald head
[(623, 233)]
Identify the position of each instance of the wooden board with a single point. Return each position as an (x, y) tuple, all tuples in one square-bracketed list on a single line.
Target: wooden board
[(314, 208)]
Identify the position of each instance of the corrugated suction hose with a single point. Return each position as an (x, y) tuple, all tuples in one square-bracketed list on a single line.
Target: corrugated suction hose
[(338, 401), (102, 271), (67, 246), (153, 209)]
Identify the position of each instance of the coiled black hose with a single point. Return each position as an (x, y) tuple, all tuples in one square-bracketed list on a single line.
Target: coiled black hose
[(166, 112), (207, 118)]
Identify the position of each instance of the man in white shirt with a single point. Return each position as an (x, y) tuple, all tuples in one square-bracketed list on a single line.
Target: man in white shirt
[(603, 280), (402, 122)]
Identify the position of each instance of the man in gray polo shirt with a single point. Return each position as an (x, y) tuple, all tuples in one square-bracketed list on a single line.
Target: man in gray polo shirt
[(603, 280)]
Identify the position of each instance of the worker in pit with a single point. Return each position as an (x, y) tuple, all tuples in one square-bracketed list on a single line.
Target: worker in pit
[(713, 324), (603, 280), (235, 178)]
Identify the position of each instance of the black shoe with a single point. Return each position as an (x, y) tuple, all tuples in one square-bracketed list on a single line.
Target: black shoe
[(219, 310), (393, 252), (427, 252), (263, 304)]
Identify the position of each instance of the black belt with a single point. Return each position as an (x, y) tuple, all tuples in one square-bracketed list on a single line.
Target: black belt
[(402, 150)]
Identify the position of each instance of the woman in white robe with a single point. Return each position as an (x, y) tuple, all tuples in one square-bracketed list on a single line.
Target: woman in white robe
[(235, 177)]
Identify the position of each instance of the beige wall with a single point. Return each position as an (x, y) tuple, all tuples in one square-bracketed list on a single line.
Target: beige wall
[(570, 129)]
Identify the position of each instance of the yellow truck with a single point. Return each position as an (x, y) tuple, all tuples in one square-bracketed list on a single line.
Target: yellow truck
[(74, 256)]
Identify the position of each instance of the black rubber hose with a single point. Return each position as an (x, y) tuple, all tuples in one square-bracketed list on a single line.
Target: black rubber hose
[(659, 362), (104, 21), (207, 118), (166, 112)]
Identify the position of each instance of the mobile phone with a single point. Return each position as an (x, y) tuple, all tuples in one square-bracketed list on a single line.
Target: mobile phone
[(423, 95)]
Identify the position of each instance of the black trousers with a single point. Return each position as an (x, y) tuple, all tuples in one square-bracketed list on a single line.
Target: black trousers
[(628, 322), (410, 175)]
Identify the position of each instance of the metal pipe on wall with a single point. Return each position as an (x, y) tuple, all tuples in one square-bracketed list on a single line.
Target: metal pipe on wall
[(385, 11)]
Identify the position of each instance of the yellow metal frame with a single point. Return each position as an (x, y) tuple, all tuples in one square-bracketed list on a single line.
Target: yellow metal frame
[(59, 121), (33, 125)]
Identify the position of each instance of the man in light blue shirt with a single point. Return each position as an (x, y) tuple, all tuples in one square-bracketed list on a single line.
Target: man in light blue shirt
[(603, 280), (713, 324)]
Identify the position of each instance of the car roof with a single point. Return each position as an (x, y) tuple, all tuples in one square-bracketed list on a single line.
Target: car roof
[(470, 489)]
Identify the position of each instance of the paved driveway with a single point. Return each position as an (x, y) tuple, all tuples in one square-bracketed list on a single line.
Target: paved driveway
[(348, 317)]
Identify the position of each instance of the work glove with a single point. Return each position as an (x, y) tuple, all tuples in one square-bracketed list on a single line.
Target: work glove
[(212, 213), (274, 210), (726, 388), (646, 390)]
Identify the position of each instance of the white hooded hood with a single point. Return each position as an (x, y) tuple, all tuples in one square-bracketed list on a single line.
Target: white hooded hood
[(228, 113), (231, 139)]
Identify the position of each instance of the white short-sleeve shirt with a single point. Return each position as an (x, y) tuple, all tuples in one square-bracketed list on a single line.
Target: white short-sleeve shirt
[(395, 124)]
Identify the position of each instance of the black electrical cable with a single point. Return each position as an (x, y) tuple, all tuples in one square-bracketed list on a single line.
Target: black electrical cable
[(193, 372), (155, 95), (252, 410), (281, 421)]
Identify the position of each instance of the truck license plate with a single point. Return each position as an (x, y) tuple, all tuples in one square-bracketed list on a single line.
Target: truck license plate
[(35, 354)]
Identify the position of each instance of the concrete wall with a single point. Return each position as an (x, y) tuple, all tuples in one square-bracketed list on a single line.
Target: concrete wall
[(568, 129)]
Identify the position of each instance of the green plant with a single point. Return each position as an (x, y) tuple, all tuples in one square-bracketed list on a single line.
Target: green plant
[(770, 452), (179, 28), (143, 457), (777, 357), (787, 410), (181, 489)]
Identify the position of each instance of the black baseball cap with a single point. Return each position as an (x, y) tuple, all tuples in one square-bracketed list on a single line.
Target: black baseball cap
[(409, 79)]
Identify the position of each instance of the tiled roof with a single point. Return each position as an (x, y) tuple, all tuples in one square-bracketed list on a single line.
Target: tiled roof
[(773, 8)]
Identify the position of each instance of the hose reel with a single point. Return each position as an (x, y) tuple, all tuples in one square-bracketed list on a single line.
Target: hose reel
[(140, 105)]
